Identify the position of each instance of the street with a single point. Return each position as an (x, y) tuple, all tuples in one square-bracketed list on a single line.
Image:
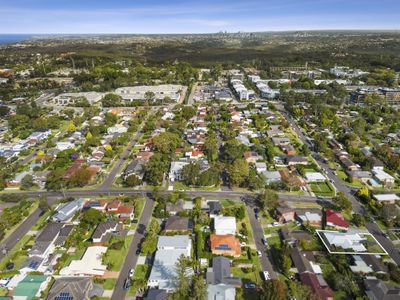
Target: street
[(258, 234), (132, 258)]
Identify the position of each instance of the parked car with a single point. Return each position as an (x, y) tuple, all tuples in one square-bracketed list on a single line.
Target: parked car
[(266, 275), (131, 272), (264, 241), (249, 286), (259, 253), (127, 283)]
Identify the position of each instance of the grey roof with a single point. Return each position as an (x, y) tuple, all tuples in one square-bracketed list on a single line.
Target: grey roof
[(136, 167), (221, 272), (176, 223), (64, 233), (103, 228), (39, 248), (176, 241), (221, 292), (377, 289), (215, 207), (49, 233), (375, 263), (156, 294), (32, 262), (300, 261), (77, 288), (175, 207), (67, 210)]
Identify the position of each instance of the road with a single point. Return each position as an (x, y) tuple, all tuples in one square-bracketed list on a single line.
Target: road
[(358, 208), (132, 258), (122, 158), (258, 234)]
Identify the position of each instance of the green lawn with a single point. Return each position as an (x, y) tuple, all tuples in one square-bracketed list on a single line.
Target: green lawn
[(139, 278), (109, 283), (322, 189), (16, 255), (115, 258)]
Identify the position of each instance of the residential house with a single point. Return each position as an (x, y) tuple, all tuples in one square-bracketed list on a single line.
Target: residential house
[(261, 167), (74, 288), (61, 146), (252, 157), (137, 168), (279, 141), (384, 178), (272, 177), (176, 223), (227, 245), (89, 265), (169, 250), (285, 213), (296, 160), (66, 211), (336, 219), (345, 241), (311, 280), (144, 155), (359, 265), (156, 294), (220, 273), (312, 217), (214, 208), (40, 177), (221, 292), (314, 177), (291, 236), (31, 287), (224, 225), (104, 231), (378, 290), (76, 165), (386, 198), (44, 243), (176, 169)]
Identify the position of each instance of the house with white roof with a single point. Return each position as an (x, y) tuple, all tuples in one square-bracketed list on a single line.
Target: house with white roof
[(169, 250), (314, 177), (61, 146), (383, 177), (224, 225), (67, 210), (347, 241), (387, 198), (89, 265), (176, 169)]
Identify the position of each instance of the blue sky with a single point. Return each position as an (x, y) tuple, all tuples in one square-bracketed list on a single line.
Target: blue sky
[(177, 16)]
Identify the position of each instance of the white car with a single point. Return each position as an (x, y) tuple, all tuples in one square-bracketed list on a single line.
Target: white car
[(131, 272), (259, 253), (266, 275)]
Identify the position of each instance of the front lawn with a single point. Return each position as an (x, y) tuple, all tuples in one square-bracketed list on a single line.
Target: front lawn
[(115, 258), (322, 189)]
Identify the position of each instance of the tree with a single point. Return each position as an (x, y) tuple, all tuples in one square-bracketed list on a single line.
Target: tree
[(268, 199), (238, 172), (273, 290), (43, 205), (199, 288), (342, 202), (358, 220), (190, 174), (26, 182), (80, 178), (233, 150), (167, 142), (211, 147), (363, 192), (92, 217), (111, 100), (182, 279), (132, 180), (71, 127)]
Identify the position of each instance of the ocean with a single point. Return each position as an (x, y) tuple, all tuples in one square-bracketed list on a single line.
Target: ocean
[(13, 38)]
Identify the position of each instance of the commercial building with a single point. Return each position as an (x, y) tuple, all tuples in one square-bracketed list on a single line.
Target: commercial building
[(159, 92)]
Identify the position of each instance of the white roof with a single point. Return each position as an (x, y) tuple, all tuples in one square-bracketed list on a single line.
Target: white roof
[(314, 176), (221, 292), (345, 240), (382, 175), (386, 197), (176, 241), (221, 222), (310, 217), (90, 264)]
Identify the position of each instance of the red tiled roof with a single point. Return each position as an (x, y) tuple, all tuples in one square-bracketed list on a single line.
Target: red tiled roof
[(310, 279), (336, 218), (225, 241)]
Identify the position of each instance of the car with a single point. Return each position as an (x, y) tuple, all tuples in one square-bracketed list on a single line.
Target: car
[(259, 253), (127, 283), (263, 241), (256, 210), (249, 286), (256, 216), (131, 272), (138, 250), (266, 275), (385, 235)]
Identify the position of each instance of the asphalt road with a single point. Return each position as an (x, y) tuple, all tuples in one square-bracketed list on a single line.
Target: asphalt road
[(132, 258), (358, 208), (258, 234), (122, 158)]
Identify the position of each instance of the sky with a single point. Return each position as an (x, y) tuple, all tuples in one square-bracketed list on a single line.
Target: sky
[(178, 16)]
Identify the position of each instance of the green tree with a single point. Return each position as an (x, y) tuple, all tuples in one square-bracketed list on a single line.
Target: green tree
[(80, 178), (238, 172), (182, 279), (92, 217), (167, 142), (111, 100), (268, 199), (342, 202), (273, 290), (190, 174), (26, 182), (132, 180), (199, 288), (358, 220)]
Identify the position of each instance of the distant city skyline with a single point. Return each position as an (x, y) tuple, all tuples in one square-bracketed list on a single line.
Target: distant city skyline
[(177, 16)]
